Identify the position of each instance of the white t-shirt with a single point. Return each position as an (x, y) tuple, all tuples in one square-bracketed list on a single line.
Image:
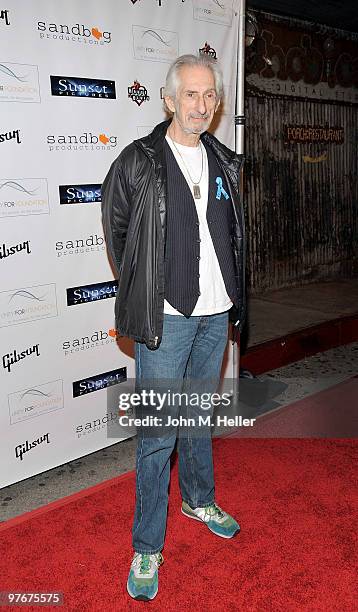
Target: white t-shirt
[(213, 297)]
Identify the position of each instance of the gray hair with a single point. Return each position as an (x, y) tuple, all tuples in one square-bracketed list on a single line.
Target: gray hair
[(173, 79)]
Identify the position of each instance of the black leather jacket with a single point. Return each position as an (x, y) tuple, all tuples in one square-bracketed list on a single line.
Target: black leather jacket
[(133, 207)]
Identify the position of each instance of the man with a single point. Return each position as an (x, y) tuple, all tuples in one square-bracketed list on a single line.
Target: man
[(174, 228)]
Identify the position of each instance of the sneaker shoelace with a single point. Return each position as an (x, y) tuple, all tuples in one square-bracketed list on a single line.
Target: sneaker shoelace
[(214, 511), (145, 562)]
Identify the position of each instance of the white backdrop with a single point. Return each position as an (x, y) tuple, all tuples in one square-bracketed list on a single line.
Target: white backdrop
[(57, 289)]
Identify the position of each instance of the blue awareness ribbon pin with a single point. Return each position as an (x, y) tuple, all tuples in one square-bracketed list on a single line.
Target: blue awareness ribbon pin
[(221, 190)]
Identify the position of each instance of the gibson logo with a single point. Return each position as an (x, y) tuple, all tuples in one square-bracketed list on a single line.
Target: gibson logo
[(21, 449), (17, 248), (11, 136), (5, 15), (138, 93), (11, 358)]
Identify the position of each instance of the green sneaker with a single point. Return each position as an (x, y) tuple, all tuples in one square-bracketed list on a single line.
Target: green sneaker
[(142, 581), (218, 521)]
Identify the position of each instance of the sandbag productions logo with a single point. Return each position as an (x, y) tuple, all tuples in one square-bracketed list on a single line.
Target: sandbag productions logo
[(4, 15), (98, 382), (216, 11), (80, 194), (207, 50), (10, 359), (35, 401), (90, 244), (88, 427), (91, 293), (19, 83), (82, 87), (20, 197), (77, 33), (9, 250), (85, 142), (25, 447), (138, 93), (97, 339), (27, 304), (14, 135), (155, 45)]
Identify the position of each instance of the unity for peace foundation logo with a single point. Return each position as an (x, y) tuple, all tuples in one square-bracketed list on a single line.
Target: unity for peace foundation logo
[(19, 82), (20, 197), (35, 401), (216, 11), (27, 304), (155, 45)]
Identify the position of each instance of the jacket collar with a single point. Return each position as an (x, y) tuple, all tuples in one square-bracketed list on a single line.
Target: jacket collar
[(153, 146), (153, 143)]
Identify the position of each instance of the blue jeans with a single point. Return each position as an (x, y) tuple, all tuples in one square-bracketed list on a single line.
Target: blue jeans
[(191, 349)]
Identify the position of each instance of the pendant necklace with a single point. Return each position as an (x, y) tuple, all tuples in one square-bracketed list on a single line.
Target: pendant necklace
[(196, 185)]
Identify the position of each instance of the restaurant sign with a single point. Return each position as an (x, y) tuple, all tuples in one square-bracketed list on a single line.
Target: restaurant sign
[(313, 134)]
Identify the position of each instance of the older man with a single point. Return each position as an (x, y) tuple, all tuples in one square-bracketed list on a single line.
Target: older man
[(174, 228)]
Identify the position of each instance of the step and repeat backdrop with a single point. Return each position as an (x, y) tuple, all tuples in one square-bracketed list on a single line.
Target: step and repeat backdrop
[(79, 80)]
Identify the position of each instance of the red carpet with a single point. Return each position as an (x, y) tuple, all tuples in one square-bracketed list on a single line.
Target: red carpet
[(331, 413), (295, 503)]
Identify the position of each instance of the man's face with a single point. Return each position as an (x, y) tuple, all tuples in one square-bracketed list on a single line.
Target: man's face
[(196, 100)]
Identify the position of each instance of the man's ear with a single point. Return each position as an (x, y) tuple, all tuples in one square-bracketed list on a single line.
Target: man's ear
[(217, 106), (169, 103)]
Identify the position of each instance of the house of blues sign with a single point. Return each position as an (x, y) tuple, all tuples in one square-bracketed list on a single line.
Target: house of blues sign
[(288, 60)]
